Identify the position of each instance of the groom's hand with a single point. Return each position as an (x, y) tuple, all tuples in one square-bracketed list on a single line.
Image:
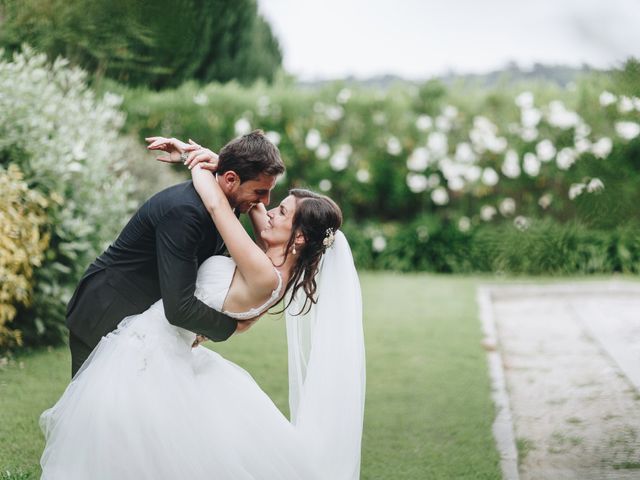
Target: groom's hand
[(199, 339), (244, 325)]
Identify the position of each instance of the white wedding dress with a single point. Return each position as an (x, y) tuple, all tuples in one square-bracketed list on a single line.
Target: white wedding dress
[(146, 405)]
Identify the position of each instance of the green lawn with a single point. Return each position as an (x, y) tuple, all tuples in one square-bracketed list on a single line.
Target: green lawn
[(428, 411)]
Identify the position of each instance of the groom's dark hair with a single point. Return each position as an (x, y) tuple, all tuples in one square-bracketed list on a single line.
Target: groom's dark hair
[(249, 156)]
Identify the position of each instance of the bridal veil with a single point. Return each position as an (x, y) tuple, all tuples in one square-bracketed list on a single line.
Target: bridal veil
[(327, 367)]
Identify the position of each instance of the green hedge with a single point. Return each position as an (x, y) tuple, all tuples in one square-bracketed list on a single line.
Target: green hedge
[(536, 151)]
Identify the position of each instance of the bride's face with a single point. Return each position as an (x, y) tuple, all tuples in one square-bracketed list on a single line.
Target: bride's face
[(280, 222)]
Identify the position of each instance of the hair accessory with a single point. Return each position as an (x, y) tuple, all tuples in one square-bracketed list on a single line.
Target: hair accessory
[(329, 238)]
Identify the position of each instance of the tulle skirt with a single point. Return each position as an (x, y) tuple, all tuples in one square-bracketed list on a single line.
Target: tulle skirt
[(147, 406)]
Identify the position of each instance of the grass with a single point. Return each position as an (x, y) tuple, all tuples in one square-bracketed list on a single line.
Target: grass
[(428, 410)]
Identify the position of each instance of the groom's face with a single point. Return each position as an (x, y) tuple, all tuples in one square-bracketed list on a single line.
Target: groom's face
[(245, 195)]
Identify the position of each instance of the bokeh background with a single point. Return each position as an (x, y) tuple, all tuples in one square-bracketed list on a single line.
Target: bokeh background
[(525, 169), (489, 138)]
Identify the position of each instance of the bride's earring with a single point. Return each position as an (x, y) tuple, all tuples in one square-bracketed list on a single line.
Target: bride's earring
[(294, 250)]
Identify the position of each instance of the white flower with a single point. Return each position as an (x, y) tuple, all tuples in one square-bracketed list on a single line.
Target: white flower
[(417, 182), (273, 137), (440, 196), (112, 100), (625, 104), (78, 151), (323, 151), (334, 112), (449, 168), (602, 148), (343, 96), (464, 153), (582, 130), (607, 98), (576, 189), (545, 200), (242, 126), (483, 136), (511, 164), (595, 185), (201, 99), (487, 212), (636, 103), (490, 177), (424, 122), (325, 185), (521, 223), (507, 207), (75, 167), (438, 143), (464, 224), (433, 180), (379, 243), (363, 175), (583, 145), (525, 100), (339, 161), (313, 139), (418, 161), (560, 117), (545, 150), (455, 184), (529, 134), (443, 123), (530, 117), (496, 144), (472, 173), (627, 130), (393, 146), (450, 112), (565, 158), (531, 164)]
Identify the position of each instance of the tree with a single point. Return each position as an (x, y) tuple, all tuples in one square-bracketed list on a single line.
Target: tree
[(159, 43)]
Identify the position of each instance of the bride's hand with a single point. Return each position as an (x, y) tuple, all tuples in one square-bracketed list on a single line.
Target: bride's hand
[(174, 147), (199, 155), (207, 187)]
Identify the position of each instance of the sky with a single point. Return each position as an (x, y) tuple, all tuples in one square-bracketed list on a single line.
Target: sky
[(327, 39)]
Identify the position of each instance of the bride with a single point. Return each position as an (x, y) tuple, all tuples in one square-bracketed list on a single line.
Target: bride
[(146, 405)]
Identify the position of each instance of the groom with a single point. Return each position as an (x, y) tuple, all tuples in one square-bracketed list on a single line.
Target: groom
[(158, 252)]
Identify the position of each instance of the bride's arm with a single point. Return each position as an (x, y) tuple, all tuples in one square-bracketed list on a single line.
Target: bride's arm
[(253, 264), (259, 221)]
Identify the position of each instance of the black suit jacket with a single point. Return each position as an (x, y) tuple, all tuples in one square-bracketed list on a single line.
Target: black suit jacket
[(156, 255)]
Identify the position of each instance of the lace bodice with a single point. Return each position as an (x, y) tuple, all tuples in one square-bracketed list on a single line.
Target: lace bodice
[(213, 282)]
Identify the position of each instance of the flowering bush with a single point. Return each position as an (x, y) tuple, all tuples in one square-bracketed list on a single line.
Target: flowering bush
[(464, 157), (68, 146), (22, 246)]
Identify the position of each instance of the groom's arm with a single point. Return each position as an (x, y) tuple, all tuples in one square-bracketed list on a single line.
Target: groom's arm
[(177, 237)]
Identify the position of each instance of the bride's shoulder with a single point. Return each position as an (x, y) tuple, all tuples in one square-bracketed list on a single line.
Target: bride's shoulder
[(218, 262)]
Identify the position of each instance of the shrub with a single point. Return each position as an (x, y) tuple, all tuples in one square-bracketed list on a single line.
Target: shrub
[(68, 145), (23, 241)]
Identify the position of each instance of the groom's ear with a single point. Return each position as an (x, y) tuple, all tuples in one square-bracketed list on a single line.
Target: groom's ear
[(229, 181)]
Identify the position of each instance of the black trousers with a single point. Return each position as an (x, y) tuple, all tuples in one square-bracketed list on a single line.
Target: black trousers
[(80, 351)]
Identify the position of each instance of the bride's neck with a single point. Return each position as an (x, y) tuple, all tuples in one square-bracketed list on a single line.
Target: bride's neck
[(276, 255)]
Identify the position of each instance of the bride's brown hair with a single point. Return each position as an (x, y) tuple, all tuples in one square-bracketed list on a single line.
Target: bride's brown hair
[(315, 215)]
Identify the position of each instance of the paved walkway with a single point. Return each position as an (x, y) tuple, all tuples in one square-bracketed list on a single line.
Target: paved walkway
[(569, 357)]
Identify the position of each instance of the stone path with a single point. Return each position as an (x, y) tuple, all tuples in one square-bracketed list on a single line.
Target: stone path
[(568, 357)]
